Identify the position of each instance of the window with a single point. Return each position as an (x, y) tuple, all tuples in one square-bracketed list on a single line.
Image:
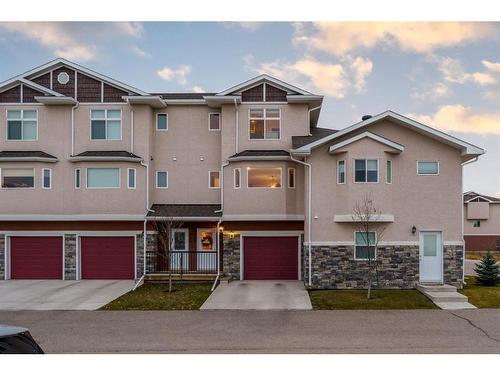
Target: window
[(427, 167), (18, 178), (341, 172), (268, 178), (78, 178), (291, 178), (106, 124), (265, 123), (388, 172), (364, 244), (366, 170), (476, 223), (214, 121), (22, 125), (103, 178), (131, 178), (47, 178), (213, 180), (161, 179), (162, 121), (237, 178)]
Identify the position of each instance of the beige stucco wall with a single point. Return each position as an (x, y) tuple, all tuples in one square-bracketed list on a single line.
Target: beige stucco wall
[(489, 226), (428, 202), (478, 210)]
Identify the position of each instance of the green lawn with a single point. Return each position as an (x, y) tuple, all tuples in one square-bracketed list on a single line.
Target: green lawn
[(184, 296), (481, 296), (478, 255), (380, 299)]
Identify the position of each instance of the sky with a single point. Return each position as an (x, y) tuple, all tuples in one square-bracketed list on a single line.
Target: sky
[(446, 75)]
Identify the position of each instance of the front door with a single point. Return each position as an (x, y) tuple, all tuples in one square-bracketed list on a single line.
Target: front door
[(180, 257), (207, 254), (431, 257)]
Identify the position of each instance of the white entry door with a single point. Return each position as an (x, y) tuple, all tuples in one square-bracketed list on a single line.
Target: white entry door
[(180, 258), (431, 257)]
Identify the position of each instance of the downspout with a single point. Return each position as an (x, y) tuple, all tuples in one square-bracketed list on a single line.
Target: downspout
[(144, 236), (132, 131), (73, 128), (236, 127), (309, 116), (218, 255), (462, 210), (309, 213)]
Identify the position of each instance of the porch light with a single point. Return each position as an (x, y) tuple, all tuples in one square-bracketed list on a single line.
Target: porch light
[(231, 234), (413, 230), (221, 229)]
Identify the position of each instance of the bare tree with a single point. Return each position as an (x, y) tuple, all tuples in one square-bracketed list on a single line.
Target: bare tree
[(368, 219), (166, 238)]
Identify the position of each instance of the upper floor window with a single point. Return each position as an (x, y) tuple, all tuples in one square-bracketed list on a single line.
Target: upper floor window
[(364, 248), (366, 170), (162, 121), (131, 178), (106, 124), (265, 123), (47, 178), (476, 223), (161, 179), (103, 178), (214, 121), (78, 178), (237, 178), (341, 172), (291, 178), (214, 180), (388, 172), (22, 125), (267, 178), (18, 178), (427, 167)]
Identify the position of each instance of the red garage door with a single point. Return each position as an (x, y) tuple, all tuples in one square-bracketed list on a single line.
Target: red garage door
[(107, 257), (36, 257), (270, 258)]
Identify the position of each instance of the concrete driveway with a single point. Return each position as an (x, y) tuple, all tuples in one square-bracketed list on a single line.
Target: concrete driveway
[(60, 294), (259, 295)]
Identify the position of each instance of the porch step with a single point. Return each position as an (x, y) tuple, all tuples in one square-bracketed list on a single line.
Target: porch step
[(445, 297), (177, 277)]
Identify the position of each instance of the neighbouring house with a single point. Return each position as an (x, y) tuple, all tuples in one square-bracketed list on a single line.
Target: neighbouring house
[(481, 222), (89, 166)]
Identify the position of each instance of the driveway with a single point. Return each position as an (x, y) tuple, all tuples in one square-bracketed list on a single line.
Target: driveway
[(259, 295), (60, 294)]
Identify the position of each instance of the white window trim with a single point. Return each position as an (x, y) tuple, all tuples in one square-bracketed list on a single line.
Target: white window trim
[(264, 118), (43, 178), (103, 188), (234, 178), (26, 188), (106, 124), (338, 172), (161, 187), (76, 178), (364, 259), (211, 187), (220, 118), (387, 163), (428, 174), (366, 171), (294, 178), (128, 178), (161, 113), (22, 125), (267, 188)]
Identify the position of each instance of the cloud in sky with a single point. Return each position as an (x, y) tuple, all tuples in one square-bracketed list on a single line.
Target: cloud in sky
[(139, 51), (433, 92), (453, 71), (179, 74), (316, 76), (341, 38), (73, 40), (461, 119), (198, 89)]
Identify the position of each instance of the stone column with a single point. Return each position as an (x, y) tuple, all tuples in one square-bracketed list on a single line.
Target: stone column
[(70, 256), (453, 256), (231, 256), (2, 256)]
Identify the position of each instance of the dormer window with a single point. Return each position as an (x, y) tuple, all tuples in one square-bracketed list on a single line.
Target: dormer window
[(264, 123)]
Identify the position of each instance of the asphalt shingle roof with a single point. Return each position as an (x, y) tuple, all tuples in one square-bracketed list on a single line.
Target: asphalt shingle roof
[(257, 153), (185, 210), (121, 154), (25, 154), (316, 133)]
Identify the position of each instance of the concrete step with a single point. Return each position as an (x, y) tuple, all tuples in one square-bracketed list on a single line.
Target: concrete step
[(436, 288), (446, 297), (455, 305)]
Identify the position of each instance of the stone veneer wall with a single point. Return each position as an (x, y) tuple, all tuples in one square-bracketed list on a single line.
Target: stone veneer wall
[(70, 256), (2, 256), (151, 245), (334, 267), (231, 256)]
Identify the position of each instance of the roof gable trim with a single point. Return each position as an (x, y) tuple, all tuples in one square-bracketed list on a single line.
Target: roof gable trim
[(396, 146), (260, 79)]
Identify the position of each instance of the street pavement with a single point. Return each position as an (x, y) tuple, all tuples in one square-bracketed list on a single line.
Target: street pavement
[(239, 331)]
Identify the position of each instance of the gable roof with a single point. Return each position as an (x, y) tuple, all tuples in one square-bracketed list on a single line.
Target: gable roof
[(394, 145), (465, 147), (471, 195), (290, 89), (261, 155), (59, 62)]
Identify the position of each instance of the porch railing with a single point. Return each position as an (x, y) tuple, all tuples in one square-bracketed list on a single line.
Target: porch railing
[(182, 262)]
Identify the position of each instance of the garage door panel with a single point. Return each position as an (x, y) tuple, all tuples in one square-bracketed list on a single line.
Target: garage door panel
[(270, 258), (107, 257), (36, 257)]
